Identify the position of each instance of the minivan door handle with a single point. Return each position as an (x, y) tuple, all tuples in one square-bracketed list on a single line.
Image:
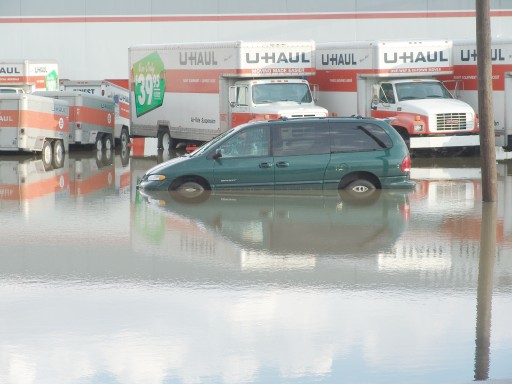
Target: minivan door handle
[(265, 165), (282, 164)]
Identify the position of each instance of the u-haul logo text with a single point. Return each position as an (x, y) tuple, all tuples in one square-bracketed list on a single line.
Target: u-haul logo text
[(339, 59), (470, 55), (415, 57), (198, 58), (6, 119), (276, 58), (9, 71)]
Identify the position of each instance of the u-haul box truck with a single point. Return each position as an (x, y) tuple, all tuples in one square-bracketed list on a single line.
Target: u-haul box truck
[(91, 118), (465, 76), (34, 124), (195, 91), (117, 90), (397, 79), (26, 76)]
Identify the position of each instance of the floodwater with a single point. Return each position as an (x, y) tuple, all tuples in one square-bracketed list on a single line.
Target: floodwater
[(101, 285)]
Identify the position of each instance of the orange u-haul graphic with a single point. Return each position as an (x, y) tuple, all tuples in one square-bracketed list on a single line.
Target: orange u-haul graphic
[(34, 124), (91, 118)]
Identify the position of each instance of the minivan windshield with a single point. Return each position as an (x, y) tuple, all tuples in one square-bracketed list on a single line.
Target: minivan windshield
[(210, 143), (274, 92), (422, 90)]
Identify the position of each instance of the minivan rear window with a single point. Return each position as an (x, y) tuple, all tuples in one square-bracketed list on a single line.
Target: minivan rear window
[(358, 137)]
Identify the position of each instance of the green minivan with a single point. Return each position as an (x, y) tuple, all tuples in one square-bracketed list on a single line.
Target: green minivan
[(356, 154)]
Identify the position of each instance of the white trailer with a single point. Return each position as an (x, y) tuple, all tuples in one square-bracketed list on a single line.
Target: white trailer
[(91, 118), (33, 123), (194, 91), (117, 90), (26, 76), (397, 80), (465, 77)]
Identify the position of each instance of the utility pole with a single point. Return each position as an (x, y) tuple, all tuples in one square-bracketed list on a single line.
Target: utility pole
[(485, 107)]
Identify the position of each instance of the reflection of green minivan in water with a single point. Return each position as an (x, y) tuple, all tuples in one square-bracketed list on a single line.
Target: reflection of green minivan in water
[(357, 154), (295, 222)]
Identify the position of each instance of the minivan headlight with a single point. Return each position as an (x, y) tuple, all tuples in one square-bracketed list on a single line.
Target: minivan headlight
[(156, 177)]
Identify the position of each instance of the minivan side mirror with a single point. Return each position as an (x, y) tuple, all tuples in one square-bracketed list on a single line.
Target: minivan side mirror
[(217, 154)]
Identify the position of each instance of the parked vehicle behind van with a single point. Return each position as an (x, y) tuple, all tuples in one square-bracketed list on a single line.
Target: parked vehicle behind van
[(357, 154)]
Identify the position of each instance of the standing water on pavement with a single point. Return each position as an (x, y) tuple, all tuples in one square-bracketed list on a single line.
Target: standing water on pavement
[(99, 284)]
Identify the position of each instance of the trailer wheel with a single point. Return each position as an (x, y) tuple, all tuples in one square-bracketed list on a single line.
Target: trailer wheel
[(58, 154), (47, 154), (107, 142), (99, 143)]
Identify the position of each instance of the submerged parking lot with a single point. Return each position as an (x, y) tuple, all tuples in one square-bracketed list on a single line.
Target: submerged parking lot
[(99, 284)]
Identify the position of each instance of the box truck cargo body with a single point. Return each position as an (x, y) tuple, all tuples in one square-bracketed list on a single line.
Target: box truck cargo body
[(27, 76), (397, 80), (195, 91), (34, 123), (465, 84), (91, 118)]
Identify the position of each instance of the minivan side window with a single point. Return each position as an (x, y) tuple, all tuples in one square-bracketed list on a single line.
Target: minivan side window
[(250, 142), (300, 139), (358, 137)]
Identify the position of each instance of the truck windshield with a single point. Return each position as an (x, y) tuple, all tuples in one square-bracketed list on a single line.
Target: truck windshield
[(273, 92), (422, 90)]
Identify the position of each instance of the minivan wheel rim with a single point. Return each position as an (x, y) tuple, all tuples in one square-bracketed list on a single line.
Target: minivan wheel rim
[(360, 189)]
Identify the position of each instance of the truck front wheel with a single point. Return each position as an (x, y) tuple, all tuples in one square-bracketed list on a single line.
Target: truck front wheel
[(165, 140), (124, 138)]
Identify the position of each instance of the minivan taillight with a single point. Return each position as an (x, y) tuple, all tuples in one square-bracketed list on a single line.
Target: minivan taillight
[(406, 164)]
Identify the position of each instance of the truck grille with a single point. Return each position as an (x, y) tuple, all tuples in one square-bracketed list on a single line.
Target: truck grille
[(453, 122)]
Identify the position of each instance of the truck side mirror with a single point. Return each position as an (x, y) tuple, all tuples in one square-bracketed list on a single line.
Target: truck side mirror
[(315, 92), (232, 96), (375, 95)]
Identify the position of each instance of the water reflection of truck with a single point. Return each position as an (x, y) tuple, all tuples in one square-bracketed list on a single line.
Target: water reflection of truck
[(195, 91), (299, 224), (92, 174), (397, 79), (26, 184), (447, 201)]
